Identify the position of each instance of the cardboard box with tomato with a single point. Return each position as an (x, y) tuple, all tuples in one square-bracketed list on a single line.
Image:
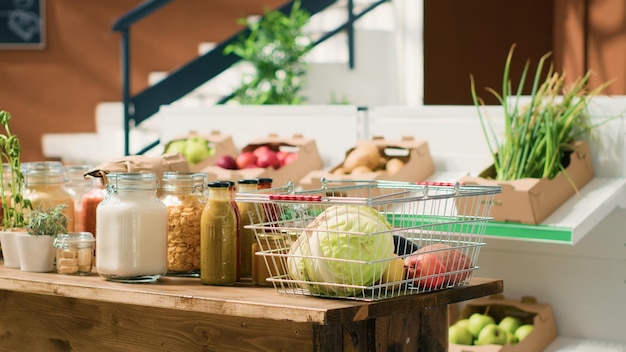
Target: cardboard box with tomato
[(283, 159), (407, 160), (534, 323)]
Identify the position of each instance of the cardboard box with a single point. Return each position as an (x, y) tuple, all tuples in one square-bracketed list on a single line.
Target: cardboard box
[(532, 200), (308, 159), (418, 163), (222, 143), (527, 310)]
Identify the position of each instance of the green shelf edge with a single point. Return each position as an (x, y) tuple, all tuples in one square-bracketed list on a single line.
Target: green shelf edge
[(529, 232), (495, 229)]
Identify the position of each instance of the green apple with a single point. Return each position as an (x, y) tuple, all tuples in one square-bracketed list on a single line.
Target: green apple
[(477, 322), (524, 331), (176, 146), (510, 338), (197, 149), (459, 335), (462, 322), (491, 334), (510, 324)]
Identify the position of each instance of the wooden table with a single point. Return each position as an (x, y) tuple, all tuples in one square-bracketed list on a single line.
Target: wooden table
[(53, 312)]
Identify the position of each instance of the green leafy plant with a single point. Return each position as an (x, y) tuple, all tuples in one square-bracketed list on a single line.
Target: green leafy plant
[(47, 221), (537, 134), (14, 205), (275, 48)]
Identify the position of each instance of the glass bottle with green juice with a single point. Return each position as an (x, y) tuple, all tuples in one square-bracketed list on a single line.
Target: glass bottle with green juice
[(218, 238)]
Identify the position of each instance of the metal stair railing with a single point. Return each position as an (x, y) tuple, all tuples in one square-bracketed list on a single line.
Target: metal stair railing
[(185, 79)]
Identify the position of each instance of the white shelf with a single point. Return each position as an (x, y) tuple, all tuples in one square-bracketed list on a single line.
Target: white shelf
[(568, 344), (571, 221)]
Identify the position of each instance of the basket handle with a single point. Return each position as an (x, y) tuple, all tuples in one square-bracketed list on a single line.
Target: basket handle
[(296, 197), (435, 183)]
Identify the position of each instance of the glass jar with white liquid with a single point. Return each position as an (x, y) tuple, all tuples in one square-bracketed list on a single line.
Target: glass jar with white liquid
[(131, 245)]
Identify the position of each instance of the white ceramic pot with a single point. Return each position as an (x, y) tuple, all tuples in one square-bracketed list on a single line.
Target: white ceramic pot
[(9, 249), (36, 253)]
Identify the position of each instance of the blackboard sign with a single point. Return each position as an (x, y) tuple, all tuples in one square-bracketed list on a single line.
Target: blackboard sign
[(22, 24)]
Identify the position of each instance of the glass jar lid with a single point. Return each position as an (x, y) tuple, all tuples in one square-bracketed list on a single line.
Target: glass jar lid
[(218, 184), (184, 180), (44, 172), (73, 238), (132, 181)]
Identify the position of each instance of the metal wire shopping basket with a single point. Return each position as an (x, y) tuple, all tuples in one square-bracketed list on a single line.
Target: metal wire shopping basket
[(370, 240)]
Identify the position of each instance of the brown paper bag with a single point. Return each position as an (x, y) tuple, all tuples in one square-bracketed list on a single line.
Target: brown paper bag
[(142, 164)]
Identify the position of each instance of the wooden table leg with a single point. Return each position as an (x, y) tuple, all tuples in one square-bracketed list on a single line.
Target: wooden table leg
[(433, 329)]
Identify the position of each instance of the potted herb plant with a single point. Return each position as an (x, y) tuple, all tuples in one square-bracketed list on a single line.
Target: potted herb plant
[(275, 48), (14, 205), (36, 247), (542, 157)]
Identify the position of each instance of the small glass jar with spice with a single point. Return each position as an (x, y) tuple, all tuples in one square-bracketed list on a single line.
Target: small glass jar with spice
[(184, 195), (74, 253), (77, 186), (89, 204)]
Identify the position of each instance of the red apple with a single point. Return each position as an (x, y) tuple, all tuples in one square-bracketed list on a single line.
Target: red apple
[(291, 157), (438, 265), (261, 150), (267, 158), (281, 155), (245, 159), (226, 162)]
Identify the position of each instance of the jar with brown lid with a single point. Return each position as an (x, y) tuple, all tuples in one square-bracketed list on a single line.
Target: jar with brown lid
[(232, 192), (249, 215), (184, 195)]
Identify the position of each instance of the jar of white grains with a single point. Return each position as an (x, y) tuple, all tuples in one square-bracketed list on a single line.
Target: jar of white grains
[(131, 245)]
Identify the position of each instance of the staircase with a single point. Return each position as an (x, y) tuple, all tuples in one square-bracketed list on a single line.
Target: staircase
[(372, 81)]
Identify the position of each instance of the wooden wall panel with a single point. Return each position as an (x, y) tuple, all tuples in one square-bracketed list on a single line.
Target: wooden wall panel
[(473, 37), (606, 44), (56, 90)]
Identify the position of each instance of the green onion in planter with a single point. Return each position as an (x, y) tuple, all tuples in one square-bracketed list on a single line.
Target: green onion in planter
[(537, 135)]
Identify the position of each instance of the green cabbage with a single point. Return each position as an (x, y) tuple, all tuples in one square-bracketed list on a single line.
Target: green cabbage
[(342, 233)]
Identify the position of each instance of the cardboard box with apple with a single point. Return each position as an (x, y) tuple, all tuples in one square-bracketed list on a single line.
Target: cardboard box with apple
[(483, 324), (406, 160), (202, 150), (283, 159), (532, 200)]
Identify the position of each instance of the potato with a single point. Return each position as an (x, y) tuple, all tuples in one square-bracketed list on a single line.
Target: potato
[(339, 171), (360, 170), (366, 154), (393, 166)]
